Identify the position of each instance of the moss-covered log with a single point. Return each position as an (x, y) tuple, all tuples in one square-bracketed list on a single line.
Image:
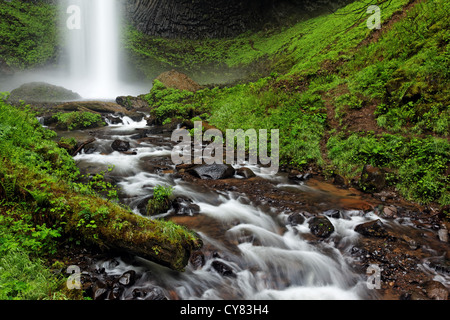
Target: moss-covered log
[(109, 226)]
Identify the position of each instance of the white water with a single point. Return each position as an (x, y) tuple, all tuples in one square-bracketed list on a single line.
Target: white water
[(93, 48), (270, 260), (91, 62)]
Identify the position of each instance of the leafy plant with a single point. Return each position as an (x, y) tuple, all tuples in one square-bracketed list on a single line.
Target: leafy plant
[(78, 120), (160, 201)]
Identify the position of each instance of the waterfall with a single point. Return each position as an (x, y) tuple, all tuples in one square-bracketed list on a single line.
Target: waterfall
[(92, 56)]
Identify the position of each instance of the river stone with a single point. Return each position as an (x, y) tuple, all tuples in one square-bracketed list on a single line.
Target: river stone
[(222, 268), (149, 293), (372, 229), (128, 278), (197, 260), (213, 171), (295, 219), (321, 227), (245, 172), (185, 206), (120, 145)]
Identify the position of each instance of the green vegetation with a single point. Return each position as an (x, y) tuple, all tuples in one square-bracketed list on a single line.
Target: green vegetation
[(327, 75), (22, 278), (45, 204), (342, 96), (28, 33), (78, 120), (160, 201)]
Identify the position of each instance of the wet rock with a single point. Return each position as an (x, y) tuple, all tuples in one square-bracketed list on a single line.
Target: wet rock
[(142, 134), (372, 179), (149, 293), (112, 119), (222, 268), (128, 278), (197, 259), (333, 213), (372, 229), (120, 145), (245, 172), (436, 290), (321, 227), (130, 102), (212, 171), (185, 206), (99, 290), (296, 219)]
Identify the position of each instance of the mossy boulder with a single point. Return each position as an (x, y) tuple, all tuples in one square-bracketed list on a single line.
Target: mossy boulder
[(42, 92)]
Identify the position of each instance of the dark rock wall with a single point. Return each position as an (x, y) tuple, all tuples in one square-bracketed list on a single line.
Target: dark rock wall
[(196, 19)]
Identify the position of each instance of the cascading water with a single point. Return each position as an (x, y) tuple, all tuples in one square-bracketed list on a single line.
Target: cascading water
[(92, 33), (261, 257), (251, 249)]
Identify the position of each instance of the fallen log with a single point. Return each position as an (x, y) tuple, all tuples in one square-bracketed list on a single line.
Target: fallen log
[(81, 146)]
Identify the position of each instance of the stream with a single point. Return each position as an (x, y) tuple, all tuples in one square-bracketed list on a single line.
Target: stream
[(251, 250)]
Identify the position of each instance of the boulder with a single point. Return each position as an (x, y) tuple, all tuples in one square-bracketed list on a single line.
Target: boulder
[(130, 102), (42, 92), (372, 179), (120, 145), (245, 172), (321, 227), (372, 229), (295, 219), (222, 268), (185, 206), (212, 171), (177, 80)]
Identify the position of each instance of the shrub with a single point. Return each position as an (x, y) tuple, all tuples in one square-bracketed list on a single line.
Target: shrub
[(78, 120)]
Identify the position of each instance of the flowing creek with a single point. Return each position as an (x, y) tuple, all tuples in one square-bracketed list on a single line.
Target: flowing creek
[(250, 250)]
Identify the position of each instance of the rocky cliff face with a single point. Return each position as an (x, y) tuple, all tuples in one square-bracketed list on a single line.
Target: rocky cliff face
[(196, 19)]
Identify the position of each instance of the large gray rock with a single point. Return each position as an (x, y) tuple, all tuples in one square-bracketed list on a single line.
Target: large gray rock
[(213, 171)]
